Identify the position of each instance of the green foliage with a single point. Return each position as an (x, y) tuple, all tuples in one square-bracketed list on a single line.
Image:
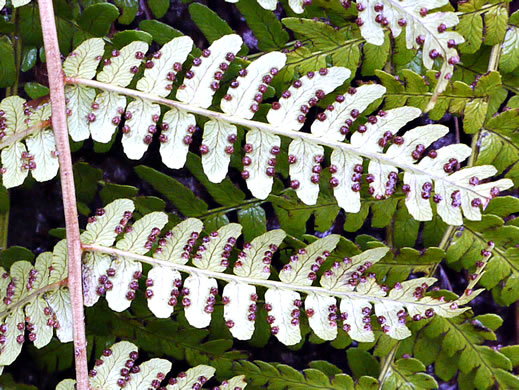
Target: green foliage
[(321, 183), (468, 243), (459, 342), (261, 375)]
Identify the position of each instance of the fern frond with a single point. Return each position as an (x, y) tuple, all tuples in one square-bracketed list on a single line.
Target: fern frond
[(34, 298), (454, 191), (117, 368), (424, 30), (347, 280)]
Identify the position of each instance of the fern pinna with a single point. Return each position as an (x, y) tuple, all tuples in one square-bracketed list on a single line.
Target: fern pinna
[(428, 175), (115, 272)]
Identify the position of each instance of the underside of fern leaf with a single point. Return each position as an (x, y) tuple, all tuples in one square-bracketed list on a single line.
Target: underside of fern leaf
[(119, 367), (116, 271), (98, 108), (424, 30), (34, 298)]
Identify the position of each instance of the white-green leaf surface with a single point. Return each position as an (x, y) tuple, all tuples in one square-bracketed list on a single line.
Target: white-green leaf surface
[(148, 373), (142, 114), (118, 71), (290, 108), (66, 384), (345, 162), (216, 137), (238, 309), (199, 291), (335, 119), (59, 301), (353, 307), (42, 113), (111, 105), (34, 310), (20, 3), (510, 52), (42, 264), (180, 235), (389, 311), (135, 240), (84, 59), (253, 263), (20, 276), (94, 265), (11, 348), (4, 282), (301, 170), (191, 377), (59, 270), (319, 321), (12, 162), (259, 183), (212, 253), (338, 278), (174, 150), (297, 6), (125, 268), (163, 283), (394, 120), (282, 302), (102, 231), (420, 208), (41, 145), (416, 25), (110, 371), (155, 78), (197, 90), (299, 270), (79, 106), (448, 185), (13, 107), (242, 97), (237, 382)]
